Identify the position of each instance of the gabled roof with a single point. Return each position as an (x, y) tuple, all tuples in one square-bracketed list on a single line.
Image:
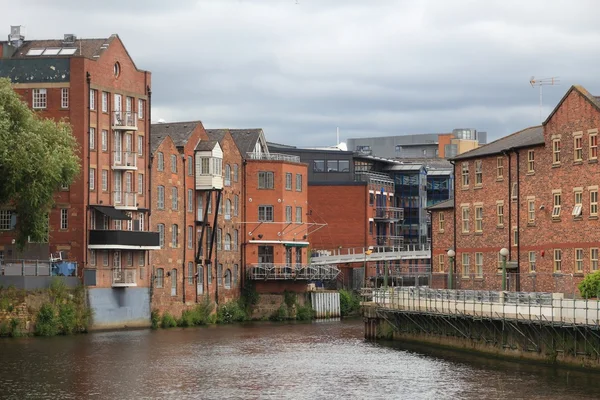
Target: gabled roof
[(444, 205), (593, 100), (180, 133), (206, 145), (533, 136), (245, 139), (88, 48)]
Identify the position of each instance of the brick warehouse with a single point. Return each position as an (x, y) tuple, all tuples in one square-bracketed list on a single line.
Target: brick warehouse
[(102, 220), (534, 192)]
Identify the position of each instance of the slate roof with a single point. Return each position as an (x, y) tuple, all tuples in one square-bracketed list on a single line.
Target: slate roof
[(533, 136), (444, 205), (179, 132), (206, 145), (245, 139), (88, 48)]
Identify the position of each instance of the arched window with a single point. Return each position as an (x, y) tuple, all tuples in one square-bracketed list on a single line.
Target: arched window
[(200, 281), (235, 239), (227, 210), (235, 172), (160, 161), (161, 235), (160, 278), (227, 175), (190, 273), (173, 282), (228, 279), (228, 242), (175, 236)]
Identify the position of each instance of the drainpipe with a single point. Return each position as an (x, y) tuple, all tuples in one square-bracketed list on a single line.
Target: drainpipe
[(149, 172), (243, 235), (453, 264), (509, 247), (518, 275), (430, 248), (184, 224), (88, 78)]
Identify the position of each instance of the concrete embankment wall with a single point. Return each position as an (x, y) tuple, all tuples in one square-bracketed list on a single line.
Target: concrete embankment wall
[(118, 308)]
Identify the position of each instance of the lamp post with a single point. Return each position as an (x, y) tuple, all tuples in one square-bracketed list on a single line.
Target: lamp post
[(451, 255), (504, 254)]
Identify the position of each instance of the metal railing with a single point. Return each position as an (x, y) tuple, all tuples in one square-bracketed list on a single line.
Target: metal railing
[(376, 178), (394, 241), (38, 268), (124, 277), (125, 199), (538, 307), (124, 159), (392, 213), (369, 254), (269, 271), (274, 157), (124, 119)]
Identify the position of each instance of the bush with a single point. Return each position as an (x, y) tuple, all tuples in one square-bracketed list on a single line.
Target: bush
[(249, 298), (281, 314), (46, 323), (590, 285), (155, 319), (305, 313), (58, 290), (67, 318), (289, 298), (168, 321), (231, 312), (349, 303)]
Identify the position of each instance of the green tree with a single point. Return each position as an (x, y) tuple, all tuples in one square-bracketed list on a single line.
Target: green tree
[(37, 156)]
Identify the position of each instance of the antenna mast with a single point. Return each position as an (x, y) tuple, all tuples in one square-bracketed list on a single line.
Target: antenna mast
[(337, 136), (541, 83)]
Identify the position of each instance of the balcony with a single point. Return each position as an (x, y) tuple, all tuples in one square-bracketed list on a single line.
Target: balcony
[(124, 160), (390, 214), (123, 240), (124, 278), (124, 120), (125, 200), (274, 157), (281, 272), (391, 241)]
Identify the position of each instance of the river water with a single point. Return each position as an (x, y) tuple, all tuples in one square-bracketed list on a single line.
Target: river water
[(322, 360)]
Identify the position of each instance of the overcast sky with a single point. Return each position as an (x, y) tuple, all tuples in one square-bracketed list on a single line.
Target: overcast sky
[(300, 68)]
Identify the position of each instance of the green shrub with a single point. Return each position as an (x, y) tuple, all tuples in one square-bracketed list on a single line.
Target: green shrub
[(155, 319), (168, 321), (4, 329), (305, 313), (58, 290), (231, 312), (590, 285), (46, 323), (67, 318), (349, 303), (289, 298), (281, 314), (16, 327), (249, 298)]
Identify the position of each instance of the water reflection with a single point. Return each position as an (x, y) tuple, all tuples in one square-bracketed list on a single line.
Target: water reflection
[(299, 361)]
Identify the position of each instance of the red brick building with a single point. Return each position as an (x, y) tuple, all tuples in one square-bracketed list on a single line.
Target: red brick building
[(102, 220), (535, 193)]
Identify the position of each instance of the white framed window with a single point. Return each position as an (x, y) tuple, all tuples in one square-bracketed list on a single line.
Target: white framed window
[(298, 182), (160, 277), (594, 202), (298, 215), (479, 265), (140, 184), (160, 161), (92, 99), (499, 168), (465, 174), (514, 195), (577, 208), (531, 210), (466, 212), (174, 200), (190, 166), (266, 180), (594, 259), (161, 235), (466, 261), (173, 163), (557, 260), (64, 218), (579, 260), (140, 109), (478, 218), (190, 200), (140, 143), (92, 178), (92, 138), (441, 260), (288, 181), (288, 214), (265, 213), (441, 222), (531, 161), (190, 237), (104, 101), (227, 242), (104, 140), (7, 220), (141, 221), (64, 98), (478, 173), (92, 257), (500, 213), (593, 145), (39, 99), (227, 180), (578, 148), (556, 151), (515, 235), (174, 236), (557, 205), (105, 258), (532, 261), (160, 197), (141, 260), (227, 210)]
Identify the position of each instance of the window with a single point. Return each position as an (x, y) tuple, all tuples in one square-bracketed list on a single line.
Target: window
[(227, 210), (441, 220), (209, 203), (593, 145), (64, 98), (174, 236), (441, 263), (190, 200), (205, 165), (190, 166), (265, 180), (104, 101), (530, 211), (104, 140), (235, 172), (92, 138), (236, 271), (265, 213), (465, 174), (227, 175), (557, 260), (532, 261), (370, 227), (105, 258), (174, 200), (556, 151), (104, 180), (530, 161), (173, 163), (141, 221), (319, 166), (478, 218), (39, 98), (298, 182), (140, 145), (579, 260), (129, 258), (219, 238), (7, 220), (515, 234), (235, 239), (161, 235), (578, 203), (92, 178), (140, 109), (500, 168), (556, 208), (236, 205), (288, 181), (298, 255), (479, 265), (478, 173), (227, 242), (92, 99), (594, 258), (593, 202), (209, 274), (514, 195), (298, 215), (160, 163), (160, 278), (141, 184), (220, 274), (466, 260), (160, 197), (190, 237), (64, 218), (578, 148), (465, 219), (500, 213), (190, 273)]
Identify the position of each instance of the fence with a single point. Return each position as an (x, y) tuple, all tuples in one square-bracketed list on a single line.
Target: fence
[(37, 268), (547, 308)]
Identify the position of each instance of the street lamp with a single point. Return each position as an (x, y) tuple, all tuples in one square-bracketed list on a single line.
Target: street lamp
[(504, 254), (451, 255)]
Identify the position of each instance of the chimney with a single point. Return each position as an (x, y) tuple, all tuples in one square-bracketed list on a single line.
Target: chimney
[(69, 38)]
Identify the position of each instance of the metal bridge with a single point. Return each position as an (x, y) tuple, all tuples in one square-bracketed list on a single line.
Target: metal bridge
[(370, 254), (279, 272)]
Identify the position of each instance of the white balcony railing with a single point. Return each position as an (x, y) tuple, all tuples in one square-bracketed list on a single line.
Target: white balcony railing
[(124, 120), (124, 278), (127, 200), (274, 157), (124, 160)]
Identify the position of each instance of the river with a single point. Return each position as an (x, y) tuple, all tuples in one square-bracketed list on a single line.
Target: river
[(322, 360)]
